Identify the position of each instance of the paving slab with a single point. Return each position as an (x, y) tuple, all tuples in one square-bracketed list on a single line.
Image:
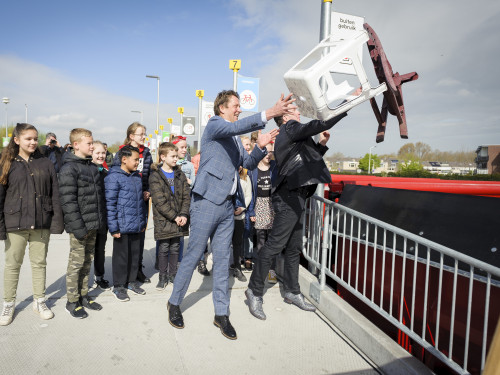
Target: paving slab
[(135, 337)]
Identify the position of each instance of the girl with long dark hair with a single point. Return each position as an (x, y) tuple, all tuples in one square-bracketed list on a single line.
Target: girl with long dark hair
[(29, 212)]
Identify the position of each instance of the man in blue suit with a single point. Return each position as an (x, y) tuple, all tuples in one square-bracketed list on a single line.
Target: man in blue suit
[(212, 207)]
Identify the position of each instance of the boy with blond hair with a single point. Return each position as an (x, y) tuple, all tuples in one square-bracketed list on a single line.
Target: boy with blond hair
[(83, 205)]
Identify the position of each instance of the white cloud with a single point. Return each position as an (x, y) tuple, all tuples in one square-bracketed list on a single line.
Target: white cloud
[(448, 82), (464, 92), (453, 47), (451, 44), (57, 103)]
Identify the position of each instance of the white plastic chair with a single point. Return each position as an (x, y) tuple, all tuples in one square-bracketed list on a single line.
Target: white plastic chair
[(318, 94)]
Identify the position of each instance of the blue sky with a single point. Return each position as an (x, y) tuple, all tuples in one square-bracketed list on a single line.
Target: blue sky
[(84, 63)]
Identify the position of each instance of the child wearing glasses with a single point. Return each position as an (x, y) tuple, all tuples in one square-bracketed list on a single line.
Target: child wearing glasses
[(136, 135)]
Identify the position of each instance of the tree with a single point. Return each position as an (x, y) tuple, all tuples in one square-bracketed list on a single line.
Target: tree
[(422, 150), (410, 166), (407, 148), (114, 147), (365, 160)]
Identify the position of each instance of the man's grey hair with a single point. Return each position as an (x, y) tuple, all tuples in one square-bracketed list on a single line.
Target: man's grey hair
[(50, 134)]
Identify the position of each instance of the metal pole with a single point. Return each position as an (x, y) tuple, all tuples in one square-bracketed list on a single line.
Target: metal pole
[(158, 103), (200, 109), (235, 80), (326, 16), (6, 101), (158, 108), (324, 31), (26, 113), (370, 160)]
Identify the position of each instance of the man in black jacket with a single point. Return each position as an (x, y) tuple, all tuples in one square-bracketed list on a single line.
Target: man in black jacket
[(300, 169), (53, 151)]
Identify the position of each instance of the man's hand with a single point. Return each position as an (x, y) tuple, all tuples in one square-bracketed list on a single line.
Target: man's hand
[(324, 137), (282, 106), (188, 180), (146, 195), (116, 235), (264, 139), (238, 211), (253, 219)]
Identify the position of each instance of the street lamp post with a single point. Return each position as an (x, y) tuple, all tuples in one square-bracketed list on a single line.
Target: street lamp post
[(158, 103), (6, 101), (141, 116), (26, 113), (370, 160)]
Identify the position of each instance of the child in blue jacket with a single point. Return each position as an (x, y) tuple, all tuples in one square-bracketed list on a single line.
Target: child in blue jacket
[(126, 221)]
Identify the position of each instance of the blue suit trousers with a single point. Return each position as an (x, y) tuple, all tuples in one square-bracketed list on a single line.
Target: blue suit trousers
[(214, 222)]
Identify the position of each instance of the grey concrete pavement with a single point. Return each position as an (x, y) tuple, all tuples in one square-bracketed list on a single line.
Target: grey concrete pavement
[(135, 337)]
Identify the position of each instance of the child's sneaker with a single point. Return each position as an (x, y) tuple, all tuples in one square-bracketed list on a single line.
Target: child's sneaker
[(7, 313), (76, 310), (42, 309), (248, 265), (121, 294), (102, 284), (135, 289), (89, 303), (162, 282), (271, 277)]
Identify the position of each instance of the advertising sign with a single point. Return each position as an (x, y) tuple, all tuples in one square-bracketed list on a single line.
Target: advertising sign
[(248, 88), (345, 26), (207, 111), (188, 125)]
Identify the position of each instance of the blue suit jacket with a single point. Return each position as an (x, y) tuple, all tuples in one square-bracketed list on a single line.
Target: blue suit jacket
[(222, 155)]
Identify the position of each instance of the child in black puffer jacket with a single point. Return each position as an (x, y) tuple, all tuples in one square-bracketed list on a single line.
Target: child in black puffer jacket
[(84, 209)]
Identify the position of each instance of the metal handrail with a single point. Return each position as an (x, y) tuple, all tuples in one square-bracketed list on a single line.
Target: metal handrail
[(322, 226)]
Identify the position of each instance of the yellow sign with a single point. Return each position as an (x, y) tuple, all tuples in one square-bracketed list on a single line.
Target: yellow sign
[(200, 93), (170, 120), (161, 127), (180, 110), (235, 65), (156, 132)]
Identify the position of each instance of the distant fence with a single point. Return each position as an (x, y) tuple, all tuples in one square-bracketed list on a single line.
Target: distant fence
[(441, 299)]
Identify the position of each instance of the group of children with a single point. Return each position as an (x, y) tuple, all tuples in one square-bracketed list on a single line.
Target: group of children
[(87, 199)]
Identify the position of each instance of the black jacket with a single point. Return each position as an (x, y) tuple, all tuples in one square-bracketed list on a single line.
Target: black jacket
[(82, 198), (103, 172), (167, 205), (30, 200), (54, 154), (299, 157)]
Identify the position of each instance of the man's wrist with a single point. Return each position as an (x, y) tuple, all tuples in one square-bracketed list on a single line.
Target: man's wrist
[(263, 117)]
